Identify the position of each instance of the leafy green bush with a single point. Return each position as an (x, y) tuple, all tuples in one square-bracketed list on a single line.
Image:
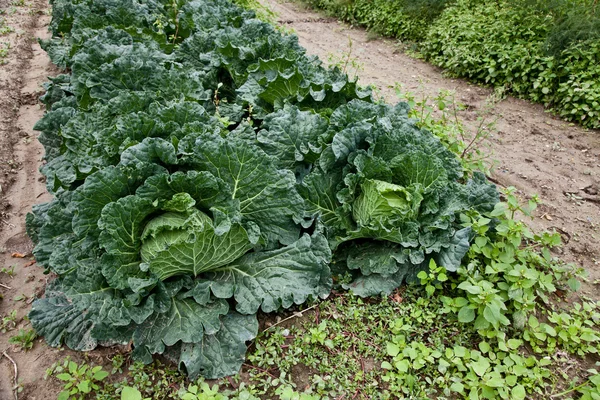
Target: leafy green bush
[(405, 19), (572, 21), (578, 94), (488, 43), (545, 51), (514, 44)]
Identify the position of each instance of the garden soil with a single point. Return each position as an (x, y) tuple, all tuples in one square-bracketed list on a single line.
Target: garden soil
[(536, 153)]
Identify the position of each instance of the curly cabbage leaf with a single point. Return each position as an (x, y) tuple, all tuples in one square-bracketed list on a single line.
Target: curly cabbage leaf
[(389, 194)]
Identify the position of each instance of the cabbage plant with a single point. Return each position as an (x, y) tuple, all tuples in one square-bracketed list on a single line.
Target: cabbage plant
[(389, 195), (204, 169)]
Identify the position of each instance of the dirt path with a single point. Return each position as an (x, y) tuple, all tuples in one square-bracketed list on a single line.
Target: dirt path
[(24, 68), (535, 152)]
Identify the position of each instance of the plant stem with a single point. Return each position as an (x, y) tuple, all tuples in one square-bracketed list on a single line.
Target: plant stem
[(295, 315), (15, 392), (569, 390)]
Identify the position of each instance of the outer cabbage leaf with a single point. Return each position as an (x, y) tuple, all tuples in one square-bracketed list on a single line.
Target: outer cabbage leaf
[(185, 321), (358, 110), (319, 190), (100, 189), (377, 258), (74, 304), (273, 279), (267, 196), (376, 284), (59, 321), (272, 83), (403, 233), (292, 136), (451, 256), (223, 353), (53, 233)]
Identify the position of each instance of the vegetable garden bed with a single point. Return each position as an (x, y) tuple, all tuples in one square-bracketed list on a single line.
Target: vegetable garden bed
[(204, 168)]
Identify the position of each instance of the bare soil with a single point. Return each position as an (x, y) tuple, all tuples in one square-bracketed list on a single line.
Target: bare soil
[(22, 72), (532, 150), (536, 153)]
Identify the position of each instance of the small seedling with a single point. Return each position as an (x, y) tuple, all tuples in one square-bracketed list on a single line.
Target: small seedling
[(10, 271), (21, 297), (24, 339), (9, 322), (434, 279), (117, 363), (5, 28)]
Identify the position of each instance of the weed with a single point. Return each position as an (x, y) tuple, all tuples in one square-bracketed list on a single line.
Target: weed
[(24, 339), (346, 62), (433, 279), (439, 115), (338, 349), (201, 391), (80, 380), (156, 381), (10, 271), (21, 297), (9, 322), (572, 331), (117, 363)]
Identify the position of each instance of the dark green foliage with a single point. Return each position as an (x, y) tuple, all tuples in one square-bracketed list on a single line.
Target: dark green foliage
[(204, 168), (489, 43), (578, 93), (572, 21), (545, 51), (150, 194), (404, 19)]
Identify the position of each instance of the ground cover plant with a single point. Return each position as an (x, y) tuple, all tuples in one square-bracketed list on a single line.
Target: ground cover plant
[(544, 51), (204, 169)]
